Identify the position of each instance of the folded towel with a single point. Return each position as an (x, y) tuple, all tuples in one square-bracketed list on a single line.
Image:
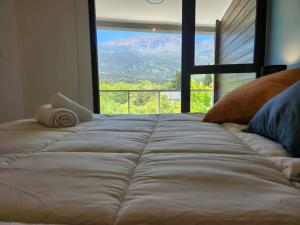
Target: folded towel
[(61, 101), (56, 117)]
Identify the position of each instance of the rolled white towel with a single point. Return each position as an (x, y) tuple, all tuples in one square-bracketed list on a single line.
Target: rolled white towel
[(56, 117), (60, 101)]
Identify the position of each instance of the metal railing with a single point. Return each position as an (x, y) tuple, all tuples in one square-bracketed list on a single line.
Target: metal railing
[(159, 92)]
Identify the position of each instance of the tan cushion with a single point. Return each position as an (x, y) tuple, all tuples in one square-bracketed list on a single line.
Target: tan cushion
[(240, 105)]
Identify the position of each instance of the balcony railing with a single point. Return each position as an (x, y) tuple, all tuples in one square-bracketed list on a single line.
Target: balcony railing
[(176, 95)]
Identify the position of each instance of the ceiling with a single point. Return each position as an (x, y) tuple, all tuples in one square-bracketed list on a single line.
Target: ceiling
[(168, 12)]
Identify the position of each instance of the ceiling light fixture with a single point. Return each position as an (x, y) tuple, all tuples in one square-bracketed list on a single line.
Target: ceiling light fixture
[(155, 1)]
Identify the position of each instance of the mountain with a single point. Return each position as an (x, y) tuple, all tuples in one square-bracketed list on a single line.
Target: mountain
[(154, 57)]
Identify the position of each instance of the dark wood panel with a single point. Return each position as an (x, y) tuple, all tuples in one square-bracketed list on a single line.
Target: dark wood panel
[(230, 10), (229, 86), (227, 22), (240, 38), (232, 77), (238, 52), (245, 59), (237, 40), (234, 84), (240, 29), (244, 17)]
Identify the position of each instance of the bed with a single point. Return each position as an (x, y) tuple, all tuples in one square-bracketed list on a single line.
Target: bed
[(143, 170)]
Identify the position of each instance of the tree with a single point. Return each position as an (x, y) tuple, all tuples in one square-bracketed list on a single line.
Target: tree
[(207, 80), (143, 102), (175, 82)]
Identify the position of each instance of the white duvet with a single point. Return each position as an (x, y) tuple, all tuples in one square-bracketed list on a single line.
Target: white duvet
[(140, 170)]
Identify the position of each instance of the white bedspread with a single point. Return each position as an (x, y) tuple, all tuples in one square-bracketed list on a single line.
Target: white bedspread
[(139, 170), (265, 147)]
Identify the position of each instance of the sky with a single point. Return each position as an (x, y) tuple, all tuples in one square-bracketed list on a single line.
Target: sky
[(110, 35)]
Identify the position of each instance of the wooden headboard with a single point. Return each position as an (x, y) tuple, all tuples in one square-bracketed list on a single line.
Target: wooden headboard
[(266, 70), (236, 44)]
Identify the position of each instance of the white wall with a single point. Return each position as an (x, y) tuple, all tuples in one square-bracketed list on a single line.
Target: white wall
[(11, 105), (53, 54), (283, 45), (84, 53), (53, 38)]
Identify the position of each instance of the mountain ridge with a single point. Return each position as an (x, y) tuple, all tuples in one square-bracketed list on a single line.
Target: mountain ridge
[(155, 58)]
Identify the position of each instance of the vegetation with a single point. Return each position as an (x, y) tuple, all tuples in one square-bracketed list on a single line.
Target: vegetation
[(114, 96)]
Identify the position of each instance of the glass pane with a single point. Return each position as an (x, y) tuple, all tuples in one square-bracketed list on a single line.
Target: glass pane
[(204, 48), (144, 103), (114, 102), (202, 89), (237, 31), (139, 49), (170, 102)]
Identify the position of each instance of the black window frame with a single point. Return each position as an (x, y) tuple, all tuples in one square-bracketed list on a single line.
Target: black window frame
[(188, 50), (188, 67)]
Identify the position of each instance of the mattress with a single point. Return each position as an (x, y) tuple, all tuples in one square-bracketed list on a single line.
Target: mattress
[(140, 170)]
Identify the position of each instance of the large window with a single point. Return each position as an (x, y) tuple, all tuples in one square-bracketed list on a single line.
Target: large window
[(139, 58), (140, 72), (170, 57)]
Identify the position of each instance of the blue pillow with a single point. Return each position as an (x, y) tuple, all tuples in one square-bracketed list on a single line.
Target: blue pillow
[(279, 119)]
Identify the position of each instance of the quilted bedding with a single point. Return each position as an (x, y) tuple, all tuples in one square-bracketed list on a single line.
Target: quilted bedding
[(139, 170)]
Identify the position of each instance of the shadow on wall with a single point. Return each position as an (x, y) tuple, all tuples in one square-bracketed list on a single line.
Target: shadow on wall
[(283, 33)]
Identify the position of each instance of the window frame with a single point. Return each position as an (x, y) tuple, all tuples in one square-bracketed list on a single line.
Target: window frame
[(188, 50), (188, 67)]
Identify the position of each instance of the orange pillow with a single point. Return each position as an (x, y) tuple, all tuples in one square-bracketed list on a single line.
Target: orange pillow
[(240, 105)]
